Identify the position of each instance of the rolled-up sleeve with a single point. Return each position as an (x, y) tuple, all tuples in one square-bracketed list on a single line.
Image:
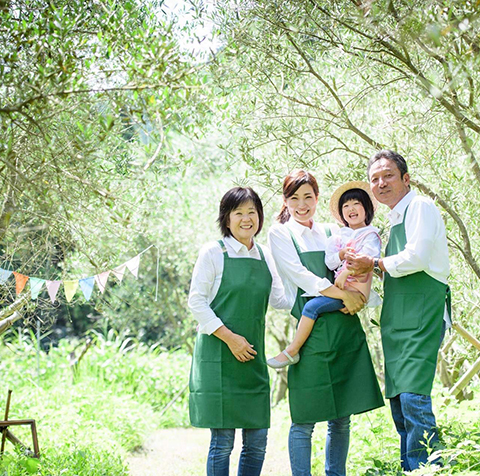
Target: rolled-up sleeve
[(203, 280), (289, 264)]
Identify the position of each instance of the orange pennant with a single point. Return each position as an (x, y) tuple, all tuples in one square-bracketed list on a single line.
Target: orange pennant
[(20, 281)]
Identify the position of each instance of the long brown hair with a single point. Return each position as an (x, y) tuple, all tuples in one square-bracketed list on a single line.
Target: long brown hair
[(293, 181)]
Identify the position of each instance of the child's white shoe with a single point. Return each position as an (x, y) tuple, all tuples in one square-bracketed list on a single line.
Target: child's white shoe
[(276, 364)]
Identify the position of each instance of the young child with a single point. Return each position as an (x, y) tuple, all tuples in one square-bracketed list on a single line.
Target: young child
[(354, 205)]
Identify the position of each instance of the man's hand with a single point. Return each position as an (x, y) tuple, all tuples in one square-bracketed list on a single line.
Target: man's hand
[(359, 264), (353, 301)]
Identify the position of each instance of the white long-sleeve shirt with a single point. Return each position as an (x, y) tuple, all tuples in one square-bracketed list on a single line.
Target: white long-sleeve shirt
[(207, 276), (426, 248), (294, 275)]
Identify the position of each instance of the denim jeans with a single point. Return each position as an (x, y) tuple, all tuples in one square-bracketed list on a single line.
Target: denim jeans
[(336, 449), (251, 457), (415, 423), (320, 305), (413, 416)]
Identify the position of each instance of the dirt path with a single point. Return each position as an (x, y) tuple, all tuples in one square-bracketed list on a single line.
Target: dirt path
[(183, 452)]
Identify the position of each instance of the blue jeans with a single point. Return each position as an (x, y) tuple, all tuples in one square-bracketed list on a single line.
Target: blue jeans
[(251, 457), (413, 416), (415, 423), (321, 305), (336, 449)]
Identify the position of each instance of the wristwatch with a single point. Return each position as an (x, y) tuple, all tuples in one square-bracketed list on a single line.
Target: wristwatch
[(376, 268)]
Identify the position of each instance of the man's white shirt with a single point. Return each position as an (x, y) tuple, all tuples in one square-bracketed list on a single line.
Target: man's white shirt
[(426, 248)]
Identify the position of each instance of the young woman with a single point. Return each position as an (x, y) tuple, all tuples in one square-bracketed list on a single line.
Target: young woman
[(334, 377), (233, 281), (352, 205)]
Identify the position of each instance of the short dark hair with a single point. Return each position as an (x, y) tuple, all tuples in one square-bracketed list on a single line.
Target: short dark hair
[(292, 182), (362, 197), (233, 199), (400, 162)]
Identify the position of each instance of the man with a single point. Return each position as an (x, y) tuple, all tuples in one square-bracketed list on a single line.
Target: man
[(415, 270)]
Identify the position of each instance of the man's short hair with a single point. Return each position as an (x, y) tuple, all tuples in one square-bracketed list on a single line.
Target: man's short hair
[(400, 162)]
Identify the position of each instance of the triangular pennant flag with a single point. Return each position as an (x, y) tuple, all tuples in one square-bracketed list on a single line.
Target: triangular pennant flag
[(4, 275), (86, 286), (52, 288), (36, 285), (133, 265), (70, 288), (21, 280), (119, 271), (101, 280)]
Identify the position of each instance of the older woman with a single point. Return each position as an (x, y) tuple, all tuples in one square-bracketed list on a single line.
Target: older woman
[(334, 377), (233, 281)]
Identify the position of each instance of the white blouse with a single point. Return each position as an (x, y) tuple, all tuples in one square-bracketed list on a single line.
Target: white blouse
[(294, 275), (207, 276), (371, 245)]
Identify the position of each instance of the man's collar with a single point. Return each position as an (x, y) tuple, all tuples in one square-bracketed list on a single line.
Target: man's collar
[(399, 209)]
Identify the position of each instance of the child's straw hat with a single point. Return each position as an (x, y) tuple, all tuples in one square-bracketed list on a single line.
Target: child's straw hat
[(342, 189)]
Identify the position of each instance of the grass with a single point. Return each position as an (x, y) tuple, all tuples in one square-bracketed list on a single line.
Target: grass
[(90, 421)]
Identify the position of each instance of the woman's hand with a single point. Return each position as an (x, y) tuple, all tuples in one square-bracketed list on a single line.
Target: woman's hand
[(242, 350), (353, 301)]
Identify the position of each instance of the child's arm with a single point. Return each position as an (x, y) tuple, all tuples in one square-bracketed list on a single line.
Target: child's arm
[(341, 279)]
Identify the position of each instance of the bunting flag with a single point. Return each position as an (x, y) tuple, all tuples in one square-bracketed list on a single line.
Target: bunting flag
[(133, 265), (4, 275), (86, 285), (101, 280), (20, 281), (119, 271), (36, 285), (52, 288), (70, 288)]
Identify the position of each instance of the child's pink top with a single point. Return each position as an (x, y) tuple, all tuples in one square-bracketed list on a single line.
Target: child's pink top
[(364, 240)]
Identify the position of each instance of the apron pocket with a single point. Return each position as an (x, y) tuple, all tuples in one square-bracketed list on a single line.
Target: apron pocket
[(408, 311)]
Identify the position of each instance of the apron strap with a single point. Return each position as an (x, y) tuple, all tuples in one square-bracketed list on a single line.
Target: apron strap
[(295, 243), (222, 245), (327, 230), (261, 252)]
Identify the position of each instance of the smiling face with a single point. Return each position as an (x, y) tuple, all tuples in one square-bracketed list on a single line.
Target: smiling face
[(302, 205), (243, 223), (354, 214), (386, 182)]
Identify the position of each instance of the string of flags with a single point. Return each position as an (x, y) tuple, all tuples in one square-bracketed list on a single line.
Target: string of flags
[(71, 286)]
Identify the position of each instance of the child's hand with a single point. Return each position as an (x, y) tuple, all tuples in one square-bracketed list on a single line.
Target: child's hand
[(343, 251), (341, 280)]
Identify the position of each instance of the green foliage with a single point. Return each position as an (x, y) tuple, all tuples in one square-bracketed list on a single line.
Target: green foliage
[(101, 410), (64, 460)]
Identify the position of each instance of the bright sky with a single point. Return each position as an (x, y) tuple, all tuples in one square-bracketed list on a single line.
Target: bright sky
[(199, 39)]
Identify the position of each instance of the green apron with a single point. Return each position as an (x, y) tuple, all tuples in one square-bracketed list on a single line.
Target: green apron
[(411, 325), (335, 376), (226, 393)]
